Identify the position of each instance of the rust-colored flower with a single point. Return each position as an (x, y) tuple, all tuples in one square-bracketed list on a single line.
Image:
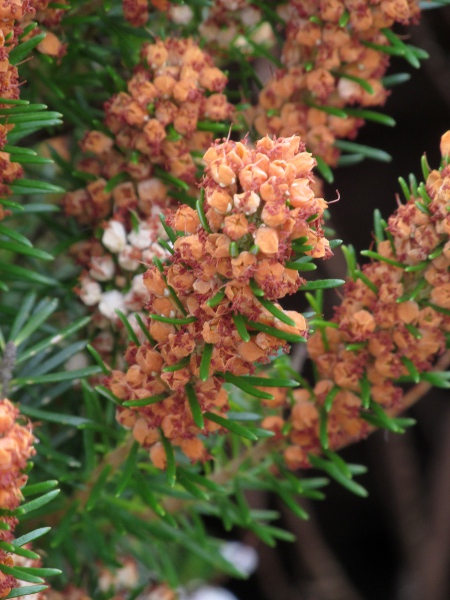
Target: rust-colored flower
[(16, 447), (218, 294), (154, 124), (392, 324), (328, 61)]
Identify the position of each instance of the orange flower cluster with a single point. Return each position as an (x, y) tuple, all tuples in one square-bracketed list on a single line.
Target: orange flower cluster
[(215, 296), (15, 15), (11, 16), (16, 447), (154, 123), (328, 53), (390, 326)]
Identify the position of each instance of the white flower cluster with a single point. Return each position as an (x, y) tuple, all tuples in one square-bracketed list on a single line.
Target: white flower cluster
[(109, 284)]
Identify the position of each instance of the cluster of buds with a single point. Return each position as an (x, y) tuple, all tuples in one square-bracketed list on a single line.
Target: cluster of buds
[(333, 58), (153, 126), (225, 25), (15, 17), (16, 447), (11, 16), (391, 325), (157, 123), (112, 276), (235, 25), (213, 307)]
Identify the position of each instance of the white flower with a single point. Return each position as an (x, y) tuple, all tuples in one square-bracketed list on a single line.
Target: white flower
[(138, 295), (241, 556), (90, 291), (102, 268), (147, 256), (109, 302), (138, 285), (263, 34), (250, 16), (143, 237), (160, 251), (241, 43), (181, 15), (114, 236), (128, 260), (348, 89)]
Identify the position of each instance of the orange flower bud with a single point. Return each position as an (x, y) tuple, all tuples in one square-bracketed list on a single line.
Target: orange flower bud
[(154, 282), (266, 238), (221, 201), (158, 456)]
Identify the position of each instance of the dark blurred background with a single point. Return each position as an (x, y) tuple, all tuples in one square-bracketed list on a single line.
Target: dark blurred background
[(395, 545)]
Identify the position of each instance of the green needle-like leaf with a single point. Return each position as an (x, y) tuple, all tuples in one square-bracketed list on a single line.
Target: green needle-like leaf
[(177, 366), (322, 284), (171, 469), (131, 333), (36, 321), (31, 186), (98, 359), (17, 272), (231, 426), (216, 299), (195, 406), (55, 377), (26, 590), (276, 312), (98, 488), (367, 151), (269, 381), (240, 326), (324, 170), (282, 335), (206, 361), (145, 401), (14, 235), (36, 503), (14, 571), (241, 383), (173, 321), (33, 535), (128, 469)]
